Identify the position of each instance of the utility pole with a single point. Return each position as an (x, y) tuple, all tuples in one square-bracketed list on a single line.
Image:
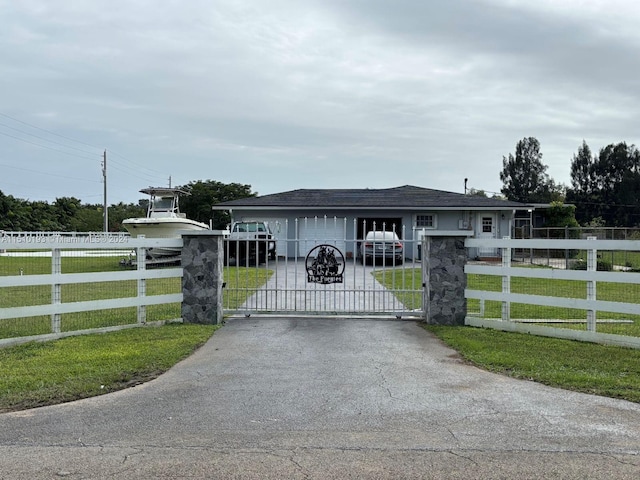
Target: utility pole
[(104, 180), (169, 181)]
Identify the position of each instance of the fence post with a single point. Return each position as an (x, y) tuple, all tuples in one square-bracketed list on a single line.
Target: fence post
[(444, 280), (202, 280), (592, 266), (506, 281), (56, 296), (425, 267), (566, 250), (141, 263)]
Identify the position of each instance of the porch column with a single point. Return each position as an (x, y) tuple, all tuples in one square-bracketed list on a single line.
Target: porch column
[(443, 259), (202, 281)]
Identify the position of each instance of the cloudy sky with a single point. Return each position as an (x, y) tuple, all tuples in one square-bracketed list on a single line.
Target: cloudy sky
[(286, 94)]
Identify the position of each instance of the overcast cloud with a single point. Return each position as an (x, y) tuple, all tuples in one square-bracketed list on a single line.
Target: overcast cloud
[(286, 94)]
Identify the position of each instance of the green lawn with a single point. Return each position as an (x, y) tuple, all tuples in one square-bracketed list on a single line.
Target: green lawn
[(584, 367), (42, 265), (38, 374), (48, 373), (618, 258), (233, 296), (398, 279)]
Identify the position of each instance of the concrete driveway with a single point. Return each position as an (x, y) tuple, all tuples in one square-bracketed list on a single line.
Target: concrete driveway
[(288, 291), (326, 398)]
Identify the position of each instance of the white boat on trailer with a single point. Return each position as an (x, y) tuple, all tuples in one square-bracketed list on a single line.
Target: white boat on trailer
[(163, 220)]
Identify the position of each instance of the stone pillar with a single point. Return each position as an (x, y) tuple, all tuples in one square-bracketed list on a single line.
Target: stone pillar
[(202, 281), (443, 261)]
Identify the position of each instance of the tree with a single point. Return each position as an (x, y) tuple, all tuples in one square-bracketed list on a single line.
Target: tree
[(205, 194), (43, 218), (524, 176), (87, 219), (583, 175), (614, 162), (626, 194), (65, 209), (607, 186), (477, 193), (560, 215), (584, 191), (120, 211), (557, 192)]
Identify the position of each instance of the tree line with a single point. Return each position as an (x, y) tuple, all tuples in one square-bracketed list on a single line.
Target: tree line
[(69, 214), (605, 187), (604, 191)]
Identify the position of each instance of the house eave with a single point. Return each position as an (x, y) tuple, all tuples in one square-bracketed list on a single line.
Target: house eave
[(371, 208)]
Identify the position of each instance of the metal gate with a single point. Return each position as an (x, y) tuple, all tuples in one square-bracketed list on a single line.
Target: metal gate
[(322, 267)]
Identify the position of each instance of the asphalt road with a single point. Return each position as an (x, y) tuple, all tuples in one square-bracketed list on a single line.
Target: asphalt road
[(326, 398)]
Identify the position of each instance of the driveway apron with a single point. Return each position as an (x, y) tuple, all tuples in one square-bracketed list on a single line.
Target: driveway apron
[(326, 398)]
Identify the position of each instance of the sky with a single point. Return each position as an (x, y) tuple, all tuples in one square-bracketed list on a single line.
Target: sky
[(288, 94)]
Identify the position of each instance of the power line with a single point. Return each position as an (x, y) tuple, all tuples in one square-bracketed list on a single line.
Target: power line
[(160, 174), (45, 146), (45, 139), (48, 131), (128, 172), (48, 174), (150, 176)]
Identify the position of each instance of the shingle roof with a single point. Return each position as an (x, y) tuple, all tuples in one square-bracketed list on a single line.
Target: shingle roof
[(407, 196)]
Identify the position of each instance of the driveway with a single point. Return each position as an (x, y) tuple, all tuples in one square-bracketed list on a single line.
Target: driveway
[(289, 291), (326, 398)]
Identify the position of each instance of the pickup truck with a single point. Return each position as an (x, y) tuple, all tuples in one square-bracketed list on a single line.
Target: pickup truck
[(250, 242)]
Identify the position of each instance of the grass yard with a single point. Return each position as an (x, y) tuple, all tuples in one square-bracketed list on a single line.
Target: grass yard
[(584, 367), (37, 374), (248, 278), (628, 259), (42, 265), (397, 279)]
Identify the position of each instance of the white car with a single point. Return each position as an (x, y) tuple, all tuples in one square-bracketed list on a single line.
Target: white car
[(383, 247)]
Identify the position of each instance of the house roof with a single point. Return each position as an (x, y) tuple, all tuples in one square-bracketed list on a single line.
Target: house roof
[(404, 197)]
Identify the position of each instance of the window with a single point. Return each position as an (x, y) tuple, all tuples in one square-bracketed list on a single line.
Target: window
[(487, 225), (426, 221)]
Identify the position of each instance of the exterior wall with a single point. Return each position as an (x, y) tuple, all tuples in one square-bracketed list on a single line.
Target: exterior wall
[(447, 220)]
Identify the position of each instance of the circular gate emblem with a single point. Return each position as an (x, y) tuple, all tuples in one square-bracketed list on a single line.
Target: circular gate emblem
[(324, 264)]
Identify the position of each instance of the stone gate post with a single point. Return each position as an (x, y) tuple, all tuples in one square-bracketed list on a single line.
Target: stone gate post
[(202, 281), (443, 259)]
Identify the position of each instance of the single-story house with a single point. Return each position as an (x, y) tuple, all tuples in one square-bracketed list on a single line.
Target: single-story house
[(300, 218)]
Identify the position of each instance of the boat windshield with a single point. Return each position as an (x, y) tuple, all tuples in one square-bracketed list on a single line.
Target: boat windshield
[(162, 204)]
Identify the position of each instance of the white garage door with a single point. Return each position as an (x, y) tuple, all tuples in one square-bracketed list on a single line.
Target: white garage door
[(315, 231)]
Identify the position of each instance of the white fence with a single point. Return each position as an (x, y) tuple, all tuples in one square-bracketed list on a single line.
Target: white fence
[(588, 302), (18, 248)]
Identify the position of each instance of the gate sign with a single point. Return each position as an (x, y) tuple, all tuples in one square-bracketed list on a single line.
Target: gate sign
[(323, 266)]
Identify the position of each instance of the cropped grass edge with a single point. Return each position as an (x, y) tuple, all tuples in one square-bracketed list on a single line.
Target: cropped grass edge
[(48, 373), (572, 365)]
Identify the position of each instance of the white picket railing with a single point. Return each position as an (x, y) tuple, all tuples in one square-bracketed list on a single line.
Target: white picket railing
[(591, 276), (57, 245)]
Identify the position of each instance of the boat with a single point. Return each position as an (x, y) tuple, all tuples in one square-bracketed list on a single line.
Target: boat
[(163, 220)]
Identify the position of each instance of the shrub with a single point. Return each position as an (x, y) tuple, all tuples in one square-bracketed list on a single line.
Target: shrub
[(602, 265)]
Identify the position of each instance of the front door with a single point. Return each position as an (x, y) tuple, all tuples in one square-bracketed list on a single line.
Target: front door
[(487, 228)]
